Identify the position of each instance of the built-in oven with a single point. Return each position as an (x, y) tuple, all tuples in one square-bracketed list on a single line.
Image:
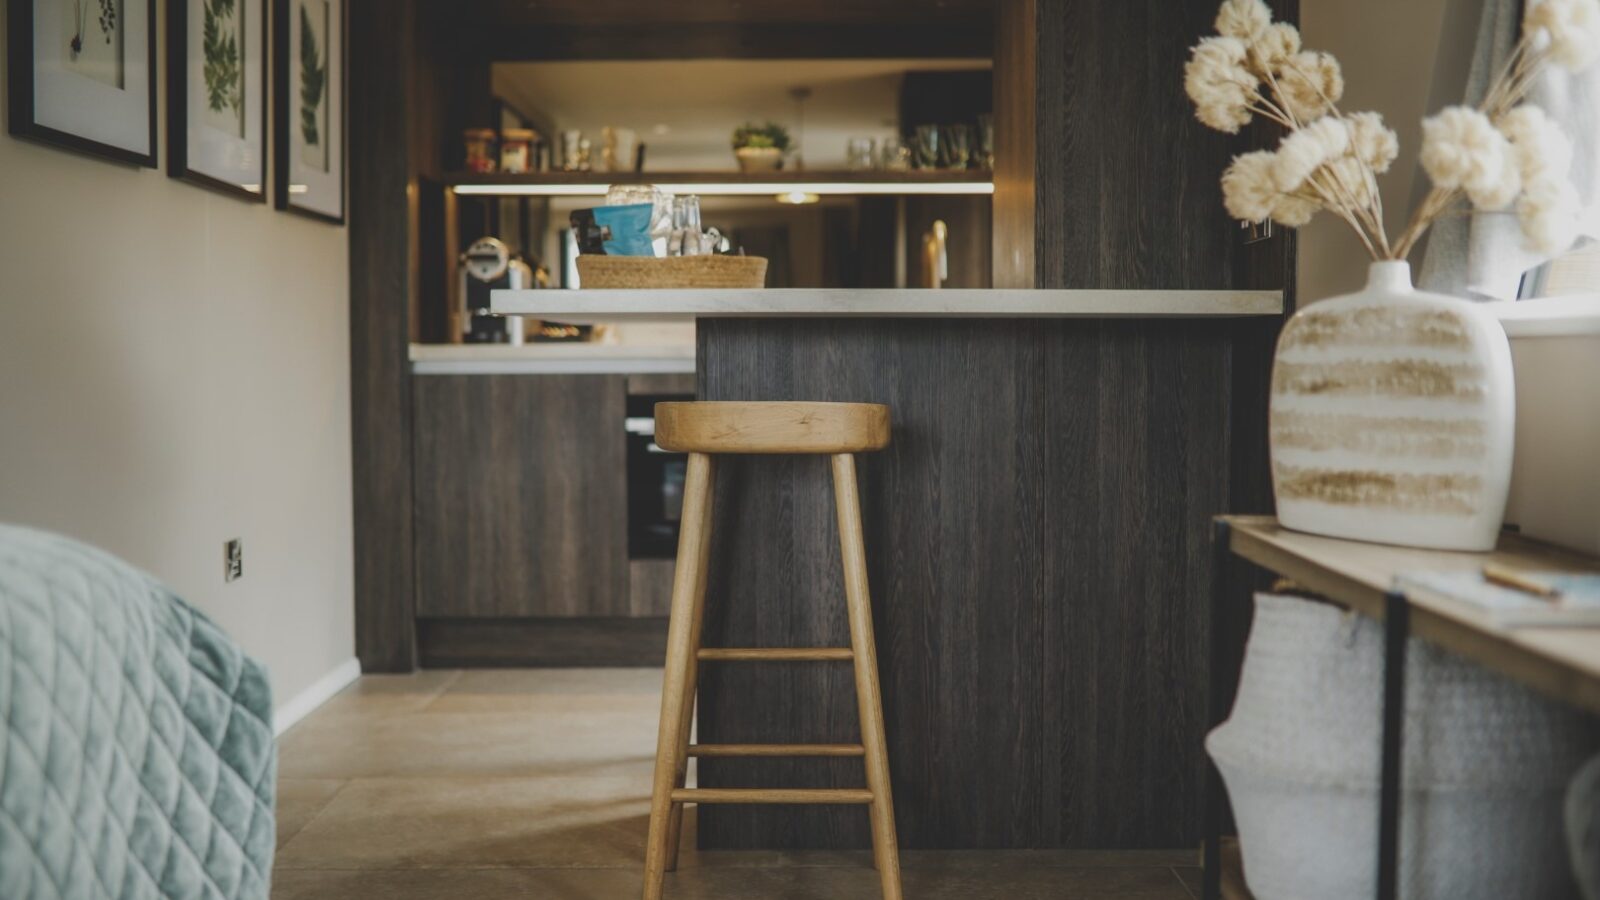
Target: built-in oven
[(655, 482)]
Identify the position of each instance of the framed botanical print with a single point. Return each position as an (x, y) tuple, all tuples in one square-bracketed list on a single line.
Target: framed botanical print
[(308, 122), (83, 76), (217, 95)]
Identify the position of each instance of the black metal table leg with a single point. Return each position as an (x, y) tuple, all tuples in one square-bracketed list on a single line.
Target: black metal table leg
[(1396, 632), (1211, 877)]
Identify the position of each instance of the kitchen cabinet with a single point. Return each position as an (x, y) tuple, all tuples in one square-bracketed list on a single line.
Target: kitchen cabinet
[(520, 496)]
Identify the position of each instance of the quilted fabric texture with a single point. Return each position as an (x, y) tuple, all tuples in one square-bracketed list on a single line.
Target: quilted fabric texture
[(136, 751)]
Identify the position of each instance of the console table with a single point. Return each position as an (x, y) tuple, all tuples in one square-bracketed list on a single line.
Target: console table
[(1563, 663)]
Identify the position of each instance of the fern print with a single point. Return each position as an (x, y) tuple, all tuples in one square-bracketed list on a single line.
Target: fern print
[(313, 82), (224, 68)]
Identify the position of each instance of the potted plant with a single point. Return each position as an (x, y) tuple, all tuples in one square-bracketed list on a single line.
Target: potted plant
[(1392, 409), (760, 148)]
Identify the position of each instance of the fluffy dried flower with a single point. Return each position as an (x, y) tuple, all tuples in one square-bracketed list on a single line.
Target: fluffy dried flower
[(1548, 209), (1247, 187), (1293, 212), (1219, 84), (1305, 149), (1350, 174), (1548, 214), (1541, 149), (1309, 83), (1273, 47), (1462, 149), (1250, 194), (1497, 193), (1243, 19), (1371, 141), (1573, 29)]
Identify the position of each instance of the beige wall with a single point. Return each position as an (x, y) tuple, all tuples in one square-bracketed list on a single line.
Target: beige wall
[(1405, 59), (174, 372)]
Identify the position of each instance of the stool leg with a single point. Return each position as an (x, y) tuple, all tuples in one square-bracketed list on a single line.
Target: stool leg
[(847, 502), (692, 678), (683, 636)]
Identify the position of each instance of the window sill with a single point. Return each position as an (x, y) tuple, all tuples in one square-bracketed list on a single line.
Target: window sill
[(1551, 316)]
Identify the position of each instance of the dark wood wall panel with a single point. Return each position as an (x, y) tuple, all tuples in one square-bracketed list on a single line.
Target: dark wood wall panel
[(521, 496), (1127, 193), (1035, 537), (542, 643), (382, 281)]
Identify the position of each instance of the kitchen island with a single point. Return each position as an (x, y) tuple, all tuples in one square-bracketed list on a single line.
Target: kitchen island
[(1037, 538)]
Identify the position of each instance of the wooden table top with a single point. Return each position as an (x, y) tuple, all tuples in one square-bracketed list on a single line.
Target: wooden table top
[(1563, 662)]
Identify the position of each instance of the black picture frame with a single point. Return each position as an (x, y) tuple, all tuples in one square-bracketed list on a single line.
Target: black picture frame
[(22, 119), (282, 103), (178, 105)]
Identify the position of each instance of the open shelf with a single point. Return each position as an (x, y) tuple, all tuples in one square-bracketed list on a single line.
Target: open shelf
[(724, 182)]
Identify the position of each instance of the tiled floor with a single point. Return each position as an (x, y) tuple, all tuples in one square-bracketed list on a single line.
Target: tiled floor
[(495, 784)]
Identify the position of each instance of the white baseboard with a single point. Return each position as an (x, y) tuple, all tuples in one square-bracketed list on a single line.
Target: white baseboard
[(321, 691)]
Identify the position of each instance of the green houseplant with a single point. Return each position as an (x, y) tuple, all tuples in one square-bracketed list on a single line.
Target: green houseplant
[(760, 147)]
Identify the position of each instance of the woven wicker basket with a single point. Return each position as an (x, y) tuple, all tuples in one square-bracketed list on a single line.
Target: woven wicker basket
[(615, 272), (1486, 765)]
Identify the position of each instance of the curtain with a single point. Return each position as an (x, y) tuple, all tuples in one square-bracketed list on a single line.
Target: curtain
[(1482, 256)]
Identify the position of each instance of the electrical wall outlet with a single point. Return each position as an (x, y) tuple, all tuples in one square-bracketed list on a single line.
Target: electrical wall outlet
[(1256, 232), (233, 560)]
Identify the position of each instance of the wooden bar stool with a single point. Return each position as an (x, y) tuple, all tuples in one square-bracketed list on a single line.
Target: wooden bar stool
[(704, 430)]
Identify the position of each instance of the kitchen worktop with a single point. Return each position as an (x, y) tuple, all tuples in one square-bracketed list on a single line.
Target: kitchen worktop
[(625, 305), (659, 355)]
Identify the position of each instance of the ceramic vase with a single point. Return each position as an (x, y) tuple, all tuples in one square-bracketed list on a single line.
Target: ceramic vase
[(1392, 417)]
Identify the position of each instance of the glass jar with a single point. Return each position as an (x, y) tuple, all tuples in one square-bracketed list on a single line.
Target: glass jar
[(480, 149), (516, 150), (860, 153)]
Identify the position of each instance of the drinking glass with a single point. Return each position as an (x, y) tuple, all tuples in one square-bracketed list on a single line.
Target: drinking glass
[(894, 155), (573, 157), (957, 149), (986, 141), (860, 152), (925, 147)]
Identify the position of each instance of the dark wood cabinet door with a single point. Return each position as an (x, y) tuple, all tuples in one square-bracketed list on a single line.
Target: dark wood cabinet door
[(521, 496)]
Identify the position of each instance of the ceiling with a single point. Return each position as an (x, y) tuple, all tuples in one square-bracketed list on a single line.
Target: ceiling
[(686, 110), (743, 12)]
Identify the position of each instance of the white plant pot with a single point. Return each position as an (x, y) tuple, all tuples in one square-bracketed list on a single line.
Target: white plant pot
[(1391, 417), (1487, 763), (1555, 477)]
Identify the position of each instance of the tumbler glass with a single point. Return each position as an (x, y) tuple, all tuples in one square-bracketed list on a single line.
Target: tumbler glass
[(957, 145), (860, 153), (925, 147), (986, 141), (894, 155)]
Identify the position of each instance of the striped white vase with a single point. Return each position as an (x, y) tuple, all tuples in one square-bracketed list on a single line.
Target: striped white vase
[(1391, 419)]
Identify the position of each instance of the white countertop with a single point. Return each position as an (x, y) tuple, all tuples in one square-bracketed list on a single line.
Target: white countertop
[(580, 306), (552, 359)]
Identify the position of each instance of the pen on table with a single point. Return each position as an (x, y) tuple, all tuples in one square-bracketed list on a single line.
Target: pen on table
[(1505, 576)]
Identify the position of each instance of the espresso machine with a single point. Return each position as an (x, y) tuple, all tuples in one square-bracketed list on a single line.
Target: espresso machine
[(487, 265)]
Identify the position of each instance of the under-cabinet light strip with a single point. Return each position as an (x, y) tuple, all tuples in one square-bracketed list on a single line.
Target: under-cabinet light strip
[(741, 189)]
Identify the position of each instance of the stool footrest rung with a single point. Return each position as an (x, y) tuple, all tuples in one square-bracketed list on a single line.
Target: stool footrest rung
[(771, 795), (723, 750), (775, 654)]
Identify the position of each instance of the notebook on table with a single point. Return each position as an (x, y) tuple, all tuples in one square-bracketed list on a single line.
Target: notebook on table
[(1577, 606)]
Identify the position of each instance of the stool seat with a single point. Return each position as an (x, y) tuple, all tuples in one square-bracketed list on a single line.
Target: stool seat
[(771, 427)]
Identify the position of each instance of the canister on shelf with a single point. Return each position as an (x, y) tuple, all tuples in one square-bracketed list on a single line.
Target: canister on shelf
[(480, 149), (516, 145)]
